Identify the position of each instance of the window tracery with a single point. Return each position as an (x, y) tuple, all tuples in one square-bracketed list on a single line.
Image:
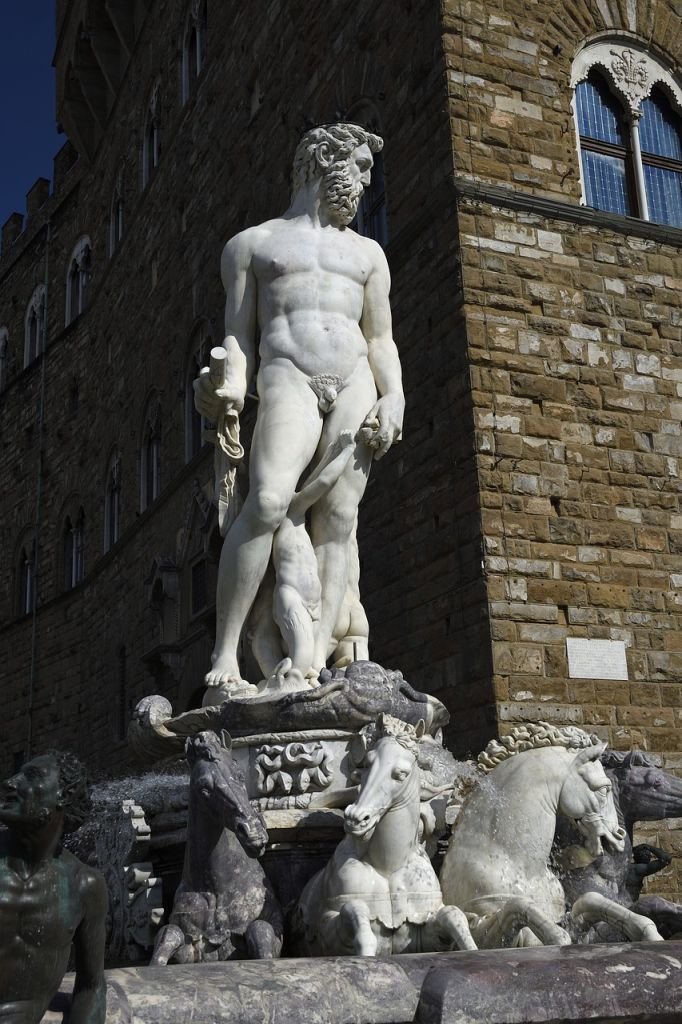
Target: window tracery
[(78, 279), (34, 325), (628, 111)]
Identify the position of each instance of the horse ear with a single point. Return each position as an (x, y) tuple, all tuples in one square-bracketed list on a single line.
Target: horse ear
[(225, 739), (591, 753), (420, 728), (357, 749)]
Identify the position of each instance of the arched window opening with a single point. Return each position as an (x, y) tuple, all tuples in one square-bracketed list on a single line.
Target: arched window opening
[(74, 566), (194, 47), (371, 219), (661, 145), (4, 357), (628, 111), (78, 280), (604, 147), (26, 595), (34, 326), (116, 216), (199, 356), (112, 504), (150, 462), (151, 142)]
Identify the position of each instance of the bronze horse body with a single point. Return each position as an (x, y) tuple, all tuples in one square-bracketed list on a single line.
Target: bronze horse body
[(224, 908), (642, 792)]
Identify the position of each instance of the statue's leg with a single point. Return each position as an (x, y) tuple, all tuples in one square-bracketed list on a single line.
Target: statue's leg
[(261, 941), (297, 629), (351, 632), (333, 518), (448, 928), (355, 929), (502, 929), (593, 907), (666, 916), (284, 442), (169, 940)]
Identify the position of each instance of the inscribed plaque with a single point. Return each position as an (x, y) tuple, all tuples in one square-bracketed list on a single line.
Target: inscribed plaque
[(596, 659)]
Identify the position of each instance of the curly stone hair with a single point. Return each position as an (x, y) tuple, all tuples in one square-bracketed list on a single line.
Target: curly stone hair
[(73, 782), (533, 736), (342, 138)]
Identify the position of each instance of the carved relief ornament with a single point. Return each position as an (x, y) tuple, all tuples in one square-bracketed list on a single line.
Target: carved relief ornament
[(633, 72)]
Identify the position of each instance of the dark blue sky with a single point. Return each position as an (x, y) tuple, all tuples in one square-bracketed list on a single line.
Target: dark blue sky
[(28, 137)]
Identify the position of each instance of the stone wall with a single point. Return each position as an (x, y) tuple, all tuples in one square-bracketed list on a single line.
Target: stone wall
[(573, 327)]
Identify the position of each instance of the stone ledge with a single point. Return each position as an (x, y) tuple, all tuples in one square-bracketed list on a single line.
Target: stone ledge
[(557, 209), (632, 983)]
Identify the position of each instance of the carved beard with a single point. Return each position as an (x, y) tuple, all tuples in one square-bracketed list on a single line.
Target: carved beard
[(340, 194)]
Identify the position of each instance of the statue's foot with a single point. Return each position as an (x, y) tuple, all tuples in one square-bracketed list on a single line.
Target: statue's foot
[(285, 679), (222, 685)]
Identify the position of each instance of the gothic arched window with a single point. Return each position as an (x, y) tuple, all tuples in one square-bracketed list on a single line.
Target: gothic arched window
[(112, 503), (26, 580), (371, 220), (34, 326), (4, 357), (150, 456), (74, 565), (78, 279), (116, 216), (193, 47), (198, 357), (151, 139), (628, 112)]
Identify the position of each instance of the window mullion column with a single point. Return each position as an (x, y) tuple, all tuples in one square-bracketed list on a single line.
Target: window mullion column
[(640, 184)]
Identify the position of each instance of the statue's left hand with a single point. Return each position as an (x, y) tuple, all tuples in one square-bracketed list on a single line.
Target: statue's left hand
[(383, 425)]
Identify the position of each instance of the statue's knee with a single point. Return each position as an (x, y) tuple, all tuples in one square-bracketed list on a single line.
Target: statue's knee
[(267, 508)]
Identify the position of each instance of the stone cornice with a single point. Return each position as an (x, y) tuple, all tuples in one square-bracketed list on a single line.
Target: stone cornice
[(557, 209)]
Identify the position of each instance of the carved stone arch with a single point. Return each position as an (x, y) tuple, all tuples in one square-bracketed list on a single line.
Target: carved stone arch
[(78, 271), (629, 68), (35, 324), (23, 565), (366, 113), (361, 80), (70, 543)]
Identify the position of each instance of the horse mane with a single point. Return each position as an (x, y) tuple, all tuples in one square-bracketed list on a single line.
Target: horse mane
[(627, 759), (533, 736), (402, 732)]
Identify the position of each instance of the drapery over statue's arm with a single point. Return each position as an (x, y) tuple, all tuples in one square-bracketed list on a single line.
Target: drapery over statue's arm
[(240, 333), (384, 422)]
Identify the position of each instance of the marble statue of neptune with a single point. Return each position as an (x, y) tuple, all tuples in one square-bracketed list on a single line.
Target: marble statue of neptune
[(316, 295)]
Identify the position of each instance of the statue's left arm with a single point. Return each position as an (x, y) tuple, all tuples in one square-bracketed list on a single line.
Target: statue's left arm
[(386, 417), (89, 1002)]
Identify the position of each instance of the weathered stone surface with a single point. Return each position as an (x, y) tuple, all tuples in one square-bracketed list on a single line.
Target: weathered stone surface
[(639, 983)]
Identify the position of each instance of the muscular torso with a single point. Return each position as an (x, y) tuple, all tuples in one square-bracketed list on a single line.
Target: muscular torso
[(310, 284), (38, 918)]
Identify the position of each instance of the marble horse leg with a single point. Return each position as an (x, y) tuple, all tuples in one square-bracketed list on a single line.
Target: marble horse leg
[(169, 940), (592, 907), (494, 931), (447, 929)]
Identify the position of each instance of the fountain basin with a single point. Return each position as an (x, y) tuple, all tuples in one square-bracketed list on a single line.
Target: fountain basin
[(637, 983)]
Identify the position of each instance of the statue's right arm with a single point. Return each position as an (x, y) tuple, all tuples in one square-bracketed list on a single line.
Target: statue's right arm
[(88, 1004), (240, 314), (240, 332)]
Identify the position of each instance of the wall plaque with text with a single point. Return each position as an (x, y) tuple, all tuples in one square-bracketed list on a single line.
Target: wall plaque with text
[(596, 659)]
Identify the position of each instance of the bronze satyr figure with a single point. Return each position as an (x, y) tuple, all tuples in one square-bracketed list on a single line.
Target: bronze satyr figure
[(48, 898)]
